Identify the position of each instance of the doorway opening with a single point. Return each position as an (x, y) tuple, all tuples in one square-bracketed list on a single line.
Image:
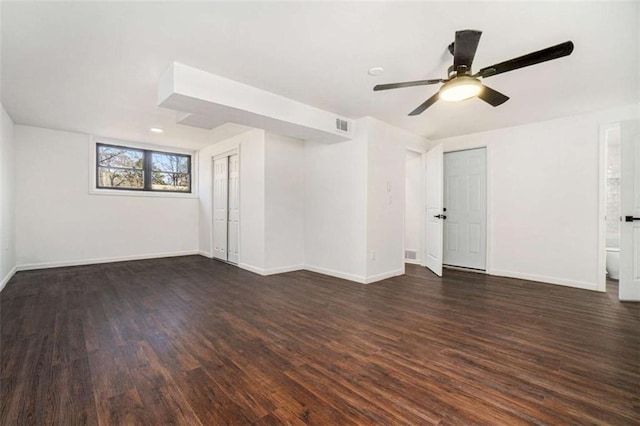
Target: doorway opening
[(619, 245), (414, 209), (612, 204)]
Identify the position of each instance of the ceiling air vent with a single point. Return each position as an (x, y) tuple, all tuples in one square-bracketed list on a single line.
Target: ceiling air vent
[(342, 125)]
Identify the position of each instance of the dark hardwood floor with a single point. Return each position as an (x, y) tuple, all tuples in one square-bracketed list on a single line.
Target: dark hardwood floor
[(193, 341)]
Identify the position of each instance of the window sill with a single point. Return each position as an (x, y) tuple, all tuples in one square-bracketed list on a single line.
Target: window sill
[(125, 193)]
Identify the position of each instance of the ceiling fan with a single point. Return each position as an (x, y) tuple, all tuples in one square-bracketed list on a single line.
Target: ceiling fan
[(461, 84)]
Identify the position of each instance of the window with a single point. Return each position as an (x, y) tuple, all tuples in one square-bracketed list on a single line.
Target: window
[(120, 167)]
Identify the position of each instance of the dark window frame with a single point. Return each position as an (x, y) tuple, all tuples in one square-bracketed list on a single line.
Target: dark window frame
[(147, 169)]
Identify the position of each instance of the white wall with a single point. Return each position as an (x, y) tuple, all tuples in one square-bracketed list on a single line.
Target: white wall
[(59, 223), (414, 204), (7, 199), (336, 206), (543, 181), (355, 202), (251, 148), (386, 174), (285, 206), (284, 182), (324, 207)]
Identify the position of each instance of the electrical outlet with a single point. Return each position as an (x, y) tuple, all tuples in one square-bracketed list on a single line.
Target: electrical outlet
[(372, 255)]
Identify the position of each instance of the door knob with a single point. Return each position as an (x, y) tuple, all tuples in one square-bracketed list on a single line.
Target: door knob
[(440, 216), (630, 218)]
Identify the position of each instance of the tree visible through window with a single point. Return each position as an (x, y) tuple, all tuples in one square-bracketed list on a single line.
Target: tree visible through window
[(170, 172), (119, 167)]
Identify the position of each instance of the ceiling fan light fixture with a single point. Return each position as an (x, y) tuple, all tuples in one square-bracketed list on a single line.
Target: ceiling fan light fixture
[(460, 89)]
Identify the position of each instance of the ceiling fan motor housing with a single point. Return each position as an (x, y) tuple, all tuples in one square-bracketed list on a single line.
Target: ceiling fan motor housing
[(460, 71)]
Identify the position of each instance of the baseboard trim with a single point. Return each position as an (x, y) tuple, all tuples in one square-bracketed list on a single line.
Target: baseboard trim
[(292, 268), (8, 277), (270, 271), (545, 279), (384, 276), (345, 276), (283, 269), (251, 268), (46, 265), (413, 261), (330, 272)]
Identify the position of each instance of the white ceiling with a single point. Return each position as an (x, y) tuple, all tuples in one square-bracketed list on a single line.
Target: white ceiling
[(94, 67)]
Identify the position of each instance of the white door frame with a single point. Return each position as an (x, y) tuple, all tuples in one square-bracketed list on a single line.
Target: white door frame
[(489, 263), (214, 158)]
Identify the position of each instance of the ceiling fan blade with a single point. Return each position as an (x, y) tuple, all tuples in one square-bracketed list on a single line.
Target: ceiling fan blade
[(432, 100), (553, 52), (406, 84), (464, 48), (492, 97)]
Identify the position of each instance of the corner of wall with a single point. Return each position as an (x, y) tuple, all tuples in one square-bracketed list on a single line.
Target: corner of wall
[(7, 199), (386, 179)]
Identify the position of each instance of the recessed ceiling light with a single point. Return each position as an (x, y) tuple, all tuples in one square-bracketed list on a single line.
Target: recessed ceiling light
[(376, 71), (156, 130)]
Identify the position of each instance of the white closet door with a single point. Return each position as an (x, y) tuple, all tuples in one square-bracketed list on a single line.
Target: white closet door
[(220, 207), (465, 200), (433, 162), (234, 209)]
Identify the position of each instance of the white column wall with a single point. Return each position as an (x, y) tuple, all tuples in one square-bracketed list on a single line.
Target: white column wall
[(386, 180), (285, 204), (7, 199), (336, 206)]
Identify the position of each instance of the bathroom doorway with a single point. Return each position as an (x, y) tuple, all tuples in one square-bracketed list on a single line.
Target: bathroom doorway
[(610, 150)]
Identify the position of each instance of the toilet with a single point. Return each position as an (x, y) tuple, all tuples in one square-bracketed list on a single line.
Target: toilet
[(613, 263)]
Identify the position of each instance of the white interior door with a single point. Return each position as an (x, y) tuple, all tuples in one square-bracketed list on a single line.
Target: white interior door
[(465, 205), (434, 198), (629, 284), (234, 209), (220, 207)]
